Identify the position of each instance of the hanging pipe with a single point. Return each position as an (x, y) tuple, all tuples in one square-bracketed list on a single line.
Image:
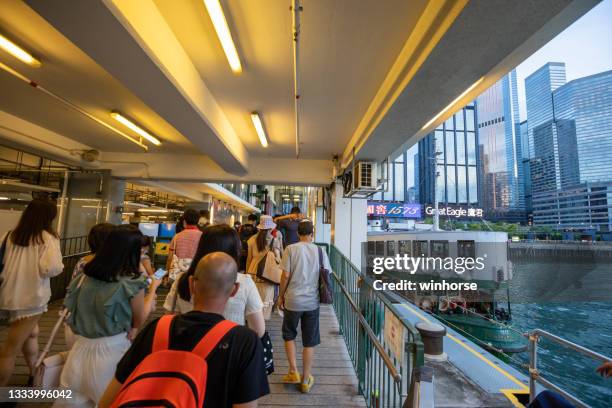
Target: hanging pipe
[(296, 10)]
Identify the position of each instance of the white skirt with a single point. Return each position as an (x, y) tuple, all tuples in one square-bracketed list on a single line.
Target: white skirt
[(267, 292), (90, 367)]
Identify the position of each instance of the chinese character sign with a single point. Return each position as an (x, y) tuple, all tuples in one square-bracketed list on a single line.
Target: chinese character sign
[(394, 210)]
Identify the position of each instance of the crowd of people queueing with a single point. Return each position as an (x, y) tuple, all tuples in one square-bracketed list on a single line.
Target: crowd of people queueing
[(219, 301)]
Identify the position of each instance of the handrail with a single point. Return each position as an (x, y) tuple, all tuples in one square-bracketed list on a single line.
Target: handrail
[(384, 377), (534, 373), (397, 377)]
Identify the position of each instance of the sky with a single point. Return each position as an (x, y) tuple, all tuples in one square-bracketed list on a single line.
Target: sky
[(585, 47)]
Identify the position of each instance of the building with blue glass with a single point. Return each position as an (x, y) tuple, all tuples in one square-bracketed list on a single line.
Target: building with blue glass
[(570, 139), (503, 195), (449, 160)]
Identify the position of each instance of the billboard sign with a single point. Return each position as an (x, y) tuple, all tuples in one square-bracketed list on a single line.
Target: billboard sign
[(394, 210)]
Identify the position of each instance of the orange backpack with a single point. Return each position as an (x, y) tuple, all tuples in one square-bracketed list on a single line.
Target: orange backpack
[(171, 378)]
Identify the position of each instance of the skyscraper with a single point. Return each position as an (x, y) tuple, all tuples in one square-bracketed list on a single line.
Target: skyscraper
[(448, 161), (525, 178), (500, 143), (570, 148)]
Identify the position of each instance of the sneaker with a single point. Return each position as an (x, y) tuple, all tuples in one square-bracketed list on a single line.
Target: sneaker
[(305, 388), (292, 378)]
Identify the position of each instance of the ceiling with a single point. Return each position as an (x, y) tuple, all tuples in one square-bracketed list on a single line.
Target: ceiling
[(346, 49), (372, 73), (71, 74)]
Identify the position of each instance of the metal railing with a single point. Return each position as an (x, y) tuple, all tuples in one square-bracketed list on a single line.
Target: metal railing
[(534, 373), (73, 249), (384, 377)]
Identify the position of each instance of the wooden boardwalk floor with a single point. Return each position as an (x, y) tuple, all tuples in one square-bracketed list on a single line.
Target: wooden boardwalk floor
[(335, 379)]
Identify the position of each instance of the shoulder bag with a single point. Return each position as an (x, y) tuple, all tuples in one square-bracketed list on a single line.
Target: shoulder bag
[(325, 292), (267, 267)]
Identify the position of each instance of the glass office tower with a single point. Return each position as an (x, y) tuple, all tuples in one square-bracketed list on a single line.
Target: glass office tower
[(500, 142), (448, 161), (525, 179), (571, 154)]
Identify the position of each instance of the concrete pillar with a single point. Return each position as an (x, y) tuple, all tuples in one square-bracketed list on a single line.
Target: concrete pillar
[(349, 224), (322, 231)]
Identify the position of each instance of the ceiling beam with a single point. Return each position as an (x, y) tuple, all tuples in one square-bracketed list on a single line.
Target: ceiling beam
[(132, 41)]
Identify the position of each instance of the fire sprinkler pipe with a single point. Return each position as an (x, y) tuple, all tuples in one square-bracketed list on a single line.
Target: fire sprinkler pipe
[(296, 10)]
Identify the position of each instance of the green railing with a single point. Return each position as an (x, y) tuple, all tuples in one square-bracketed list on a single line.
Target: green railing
[(384, 376)]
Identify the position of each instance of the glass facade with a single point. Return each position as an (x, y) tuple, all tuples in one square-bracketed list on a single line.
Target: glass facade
[(525, 177), (501, 148), (448, 160), (570, 148)]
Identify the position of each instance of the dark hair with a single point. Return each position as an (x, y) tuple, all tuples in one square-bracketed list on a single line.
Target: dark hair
[(179, 225), (37, 217), (295, 210), (237, 223), (191, 216), (305, 227), (261, 239), (205, 213), (118, 256), (215, 238), (252, 217), (97, 235)]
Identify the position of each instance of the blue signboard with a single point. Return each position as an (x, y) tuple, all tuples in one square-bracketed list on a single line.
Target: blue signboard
[(394, 210)]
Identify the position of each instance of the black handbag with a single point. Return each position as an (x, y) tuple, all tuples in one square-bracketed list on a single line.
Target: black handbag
[(268, 353), (325, 293)]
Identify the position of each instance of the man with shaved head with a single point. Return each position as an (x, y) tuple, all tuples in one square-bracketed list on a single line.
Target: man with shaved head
[(236, 370)]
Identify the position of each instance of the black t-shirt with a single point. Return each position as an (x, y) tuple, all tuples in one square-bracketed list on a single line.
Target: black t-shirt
[(236, 370), (289, 228)]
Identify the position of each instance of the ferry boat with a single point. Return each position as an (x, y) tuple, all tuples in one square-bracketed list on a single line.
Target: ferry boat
[(484, 315)]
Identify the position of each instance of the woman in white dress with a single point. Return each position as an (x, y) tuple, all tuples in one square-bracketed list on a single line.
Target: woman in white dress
[(245, 307), (259, 246)]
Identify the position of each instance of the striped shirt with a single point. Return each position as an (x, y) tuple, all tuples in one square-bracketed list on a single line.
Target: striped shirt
[(185, 244)]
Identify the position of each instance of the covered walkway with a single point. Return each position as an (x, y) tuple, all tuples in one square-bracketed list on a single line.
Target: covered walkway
[(336, 382)]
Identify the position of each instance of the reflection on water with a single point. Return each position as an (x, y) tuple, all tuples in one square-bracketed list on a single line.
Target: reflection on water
[(572, 300)]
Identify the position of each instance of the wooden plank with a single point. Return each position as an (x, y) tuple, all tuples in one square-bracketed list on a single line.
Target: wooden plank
[(335, 379)]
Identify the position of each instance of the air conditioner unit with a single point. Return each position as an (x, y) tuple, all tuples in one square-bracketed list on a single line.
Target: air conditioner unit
[(363, 180)]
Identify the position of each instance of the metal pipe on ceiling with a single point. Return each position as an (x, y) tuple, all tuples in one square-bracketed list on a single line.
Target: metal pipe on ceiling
[(296, 26)]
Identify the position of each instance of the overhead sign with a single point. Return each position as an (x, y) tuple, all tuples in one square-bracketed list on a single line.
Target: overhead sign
[(455, 211), (394, 210), (394, 335)]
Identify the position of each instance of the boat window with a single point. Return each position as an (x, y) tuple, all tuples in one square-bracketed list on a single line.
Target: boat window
[(390, 248), (439, 249), (420, 248), (466, 249), (403, 247), (380, 248)]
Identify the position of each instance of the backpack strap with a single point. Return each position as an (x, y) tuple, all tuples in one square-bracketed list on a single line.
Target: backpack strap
[(161, 338), (213, 337)]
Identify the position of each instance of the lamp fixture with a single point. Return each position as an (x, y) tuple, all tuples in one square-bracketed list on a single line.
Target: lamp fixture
[(134, 127), (259, 128), (450, 105), (215, 11), (18, 52)]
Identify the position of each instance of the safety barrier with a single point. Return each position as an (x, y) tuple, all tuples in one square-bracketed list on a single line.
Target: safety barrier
[(535, 375), (73, 249), (384, 375)]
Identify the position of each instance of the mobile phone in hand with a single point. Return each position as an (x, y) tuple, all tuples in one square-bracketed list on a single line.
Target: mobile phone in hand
[(159, 273)]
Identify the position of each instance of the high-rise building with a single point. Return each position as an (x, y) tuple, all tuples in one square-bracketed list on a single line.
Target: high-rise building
[(570, 148), (448, 161), (525, 179), (500, 142)]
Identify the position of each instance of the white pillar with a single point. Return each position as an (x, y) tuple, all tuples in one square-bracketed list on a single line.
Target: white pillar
[(349, 224)]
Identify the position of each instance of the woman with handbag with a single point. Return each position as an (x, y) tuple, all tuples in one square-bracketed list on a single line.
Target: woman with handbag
[(263, 262), (107, 304), (30, 257)]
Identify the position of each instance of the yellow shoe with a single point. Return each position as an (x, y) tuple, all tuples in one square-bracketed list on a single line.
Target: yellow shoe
[(292, 378), (305, 388)]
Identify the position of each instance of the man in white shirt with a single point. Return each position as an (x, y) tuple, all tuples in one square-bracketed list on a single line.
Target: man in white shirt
[(299, 298)]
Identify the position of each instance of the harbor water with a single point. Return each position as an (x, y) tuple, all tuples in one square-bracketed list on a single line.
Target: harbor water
[(572, 299)]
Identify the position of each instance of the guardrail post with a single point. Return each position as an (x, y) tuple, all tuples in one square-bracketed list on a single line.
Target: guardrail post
[(533, 365)]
